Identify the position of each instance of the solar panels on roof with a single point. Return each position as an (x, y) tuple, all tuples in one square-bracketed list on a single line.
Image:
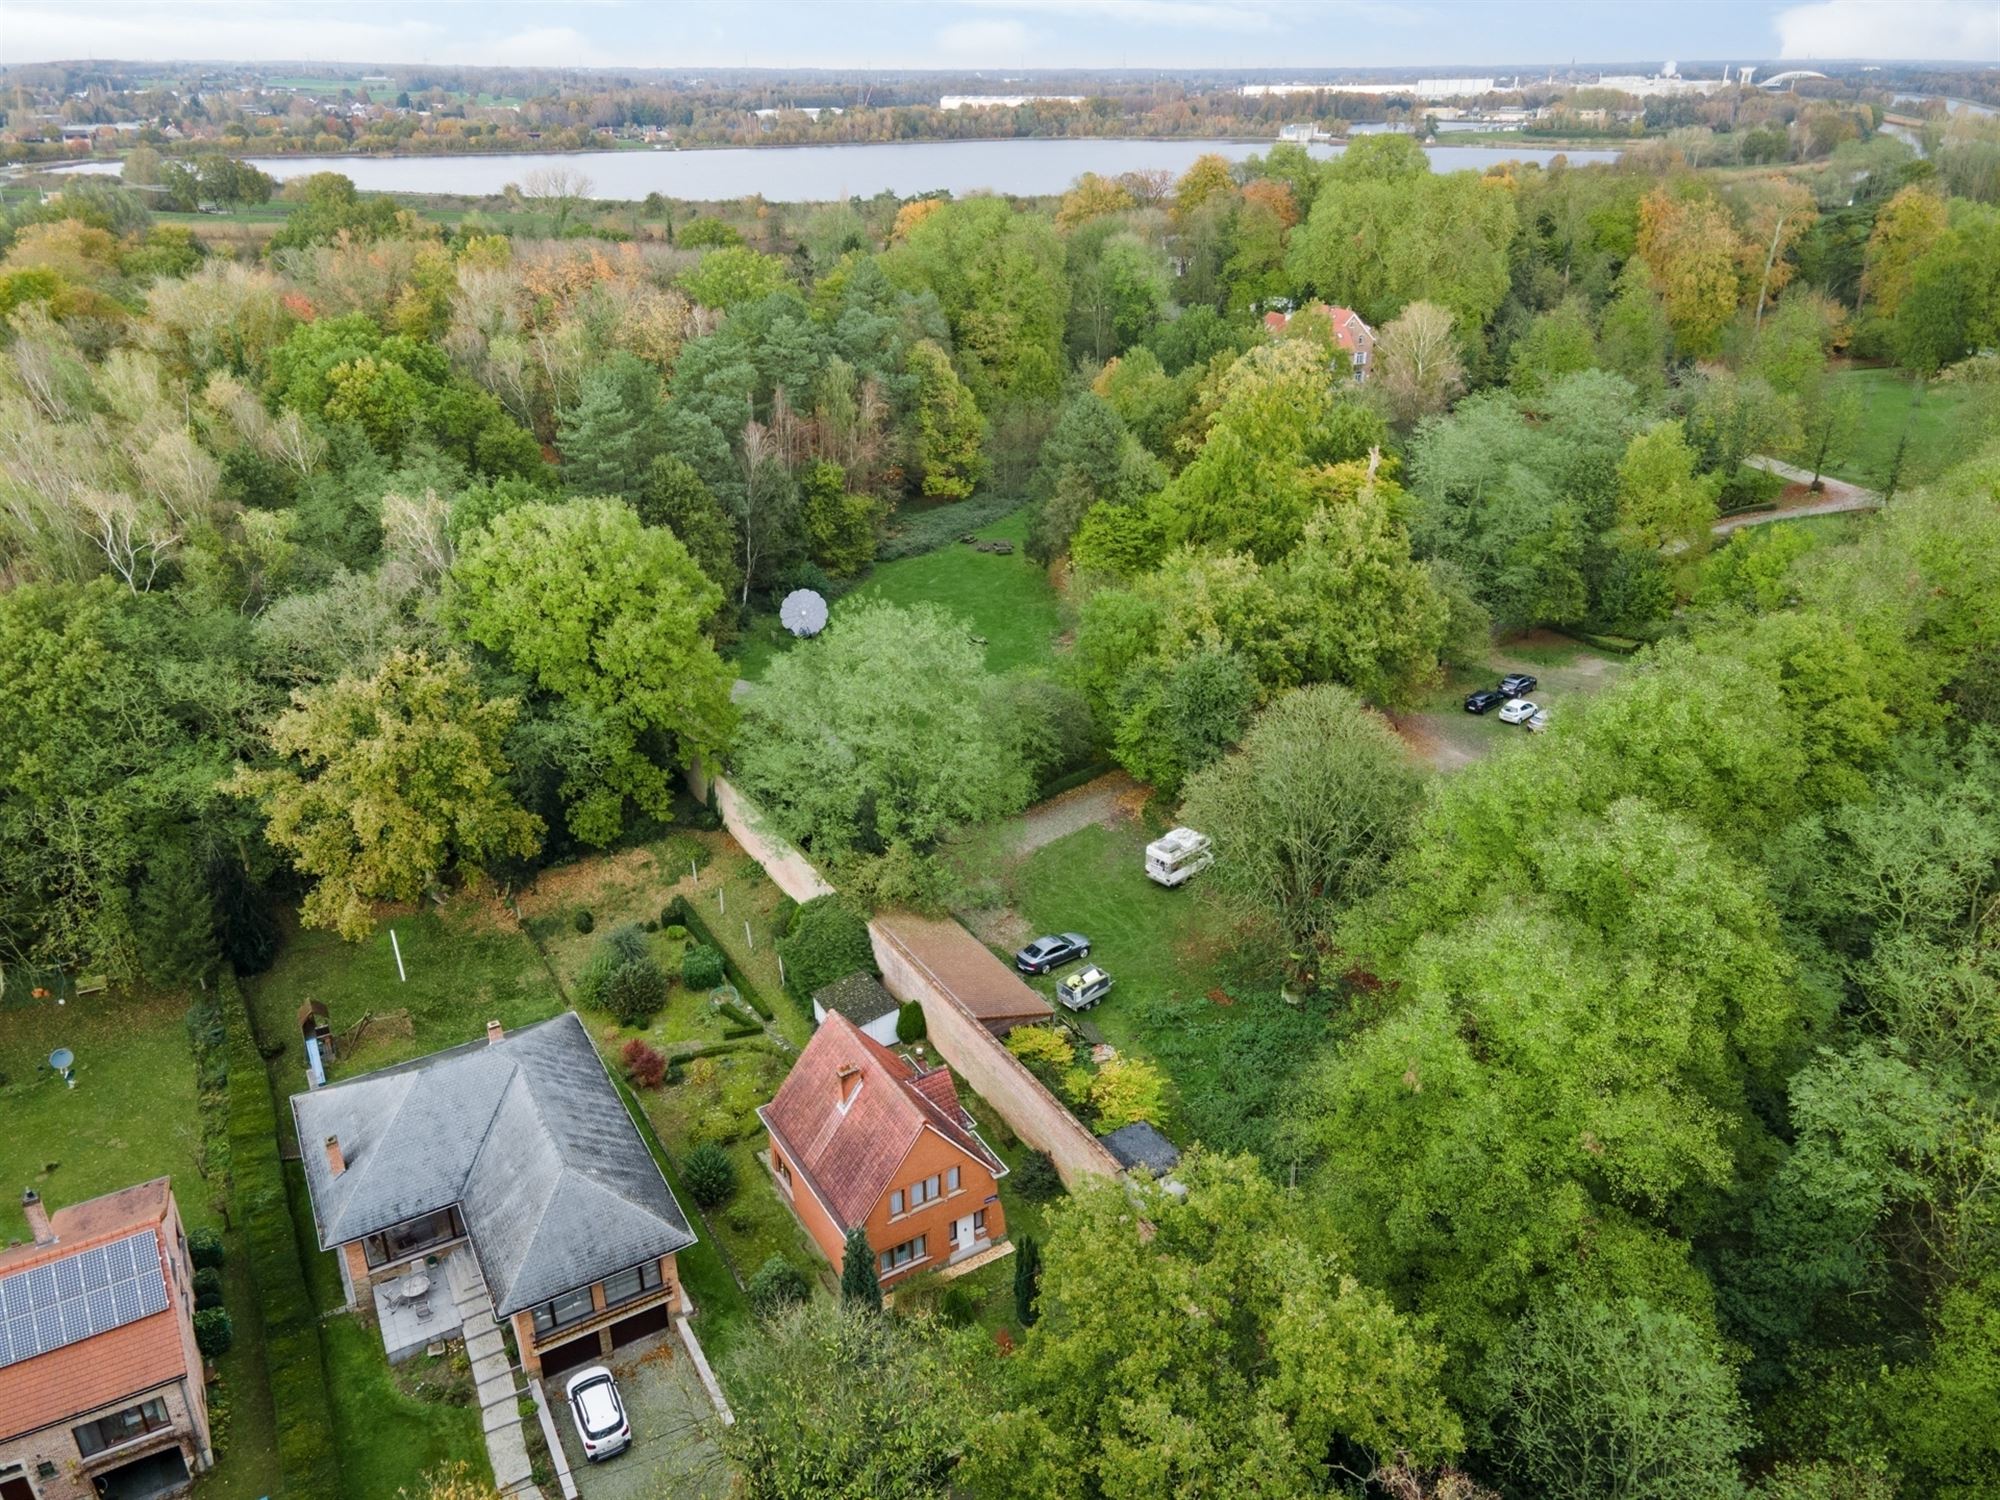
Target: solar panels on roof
[(80, 1296)]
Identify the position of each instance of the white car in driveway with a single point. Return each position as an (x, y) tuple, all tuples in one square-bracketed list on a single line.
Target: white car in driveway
[(1538, 722), (599, 1413), (1518, 710)]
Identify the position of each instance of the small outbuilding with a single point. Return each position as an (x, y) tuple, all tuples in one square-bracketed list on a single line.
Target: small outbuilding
[(1141, 1145), (861, 998)]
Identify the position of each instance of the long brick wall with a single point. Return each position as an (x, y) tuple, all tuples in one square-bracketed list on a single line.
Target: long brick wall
[(974, 1053), (790, 871), (995, 1074)]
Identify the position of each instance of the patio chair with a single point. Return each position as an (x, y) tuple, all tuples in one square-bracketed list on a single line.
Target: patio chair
[(423, 1310)]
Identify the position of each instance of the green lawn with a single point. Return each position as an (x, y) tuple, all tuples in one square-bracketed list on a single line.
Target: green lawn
[(1211, 1017), (1008, 600), (134, 1114), (1937, 425)]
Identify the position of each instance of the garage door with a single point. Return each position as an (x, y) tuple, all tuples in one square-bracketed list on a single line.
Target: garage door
[(652, 1320), (568, 1356)]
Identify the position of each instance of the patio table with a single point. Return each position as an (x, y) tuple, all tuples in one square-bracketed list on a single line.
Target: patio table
[(413, 1286)]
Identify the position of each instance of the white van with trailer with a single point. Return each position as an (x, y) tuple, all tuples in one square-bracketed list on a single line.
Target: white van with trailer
[(1177, 857)]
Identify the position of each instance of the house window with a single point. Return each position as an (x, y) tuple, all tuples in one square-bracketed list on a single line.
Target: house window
[(923, 1192), (412, 1237), (783, 1168), (570, 1307), (895, 1203), (121, 1427), (907, 1253), (979, 1223), (951, 1180), (642, 1278)]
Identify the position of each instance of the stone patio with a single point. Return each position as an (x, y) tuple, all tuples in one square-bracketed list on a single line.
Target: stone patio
[(408, 1326)]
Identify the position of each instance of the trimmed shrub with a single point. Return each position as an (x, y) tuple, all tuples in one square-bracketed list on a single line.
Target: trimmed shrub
[(1036, 1178), (701, 967), (635, 991), (781, 919), (674, 932), (213, 1332), (777, 1285), (828, 940), (645, 1064), (208, 1287), (205, 1249), (709, 1174), (910, 1023), (585, 922)]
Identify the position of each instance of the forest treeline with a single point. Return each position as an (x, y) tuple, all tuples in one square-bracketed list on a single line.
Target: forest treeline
[(1658, 1156)]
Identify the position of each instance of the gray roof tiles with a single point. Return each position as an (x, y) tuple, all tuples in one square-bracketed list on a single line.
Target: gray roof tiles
[(527, 1135)]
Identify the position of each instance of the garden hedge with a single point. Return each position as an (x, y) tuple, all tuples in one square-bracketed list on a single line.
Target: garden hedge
[(828, 941), (681, 911), (307, 1459)]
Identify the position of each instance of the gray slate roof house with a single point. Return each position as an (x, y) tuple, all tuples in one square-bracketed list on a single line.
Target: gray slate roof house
[(524, 1133)]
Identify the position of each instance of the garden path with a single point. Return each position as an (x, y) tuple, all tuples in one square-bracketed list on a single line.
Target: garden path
[(1110, 799), (1835, 495)]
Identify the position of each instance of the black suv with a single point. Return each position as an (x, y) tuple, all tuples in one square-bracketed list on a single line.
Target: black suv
[(1517, 684), (1485, 700)]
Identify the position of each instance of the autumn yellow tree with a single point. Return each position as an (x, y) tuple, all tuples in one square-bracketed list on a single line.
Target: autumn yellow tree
[(1208, 177), (1690, 249), (910, 215), (1909, 224), (1092, 197)]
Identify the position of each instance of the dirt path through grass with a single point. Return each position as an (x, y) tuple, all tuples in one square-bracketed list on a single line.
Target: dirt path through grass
[(1111, 799)]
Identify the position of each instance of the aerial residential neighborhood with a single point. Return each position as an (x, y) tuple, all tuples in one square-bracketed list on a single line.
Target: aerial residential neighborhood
[(767, 751)]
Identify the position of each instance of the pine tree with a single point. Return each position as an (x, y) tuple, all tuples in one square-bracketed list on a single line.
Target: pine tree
[(858, 1283), (1027, 1280)]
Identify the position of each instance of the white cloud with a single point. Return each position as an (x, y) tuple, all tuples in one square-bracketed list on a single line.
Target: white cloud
[(1939, 30), (989, 43), (260, 31)]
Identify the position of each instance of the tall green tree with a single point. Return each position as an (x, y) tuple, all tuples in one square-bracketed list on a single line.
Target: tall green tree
[(1305, 817), (884, 731), (950, 431), (1620, 1401), (859, 1288), (1207, 1340), (607, 615), (399, 780)]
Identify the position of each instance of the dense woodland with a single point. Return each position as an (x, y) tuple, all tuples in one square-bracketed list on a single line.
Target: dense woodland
[(1660, 1157)]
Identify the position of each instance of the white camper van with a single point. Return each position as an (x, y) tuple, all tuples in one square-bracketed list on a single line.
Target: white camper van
[(1176, 857)]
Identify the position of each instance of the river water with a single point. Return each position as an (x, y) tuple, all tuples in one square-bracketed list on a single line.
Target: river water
[(798, 174)]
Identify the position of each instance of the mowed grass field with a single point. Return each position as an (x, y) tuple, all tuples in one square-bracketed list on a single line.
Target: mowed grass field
[(1007, 600), (1939, 423)]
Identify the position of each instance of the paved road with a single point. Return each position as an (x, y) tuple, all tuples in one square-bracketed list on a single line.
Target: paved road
[(1836, 495)]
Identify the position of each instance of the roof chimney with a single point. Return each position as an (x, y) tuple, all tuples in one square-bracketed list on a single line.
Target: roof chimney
[(849, 1081), (493, 1032), (38, 1218), (336, 1159)]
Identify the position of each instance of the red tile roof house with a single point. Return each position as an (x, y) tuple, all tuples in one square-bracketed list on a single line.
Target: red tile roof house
[(101, 1385), (511, 1163), (863, 1137), (1350, 331)]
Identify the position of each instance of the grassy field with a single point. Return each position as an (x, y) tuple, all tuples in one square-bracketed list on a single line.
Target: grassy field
[(1008, 600), (1211, 1017), (134, 1114), (1937, 425)]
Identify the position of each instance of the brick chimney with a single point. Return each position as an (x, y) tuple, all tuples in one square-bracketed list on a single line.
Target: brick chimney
[(335, 1157), (38, 1218), (493, 1032), (849, 1081)]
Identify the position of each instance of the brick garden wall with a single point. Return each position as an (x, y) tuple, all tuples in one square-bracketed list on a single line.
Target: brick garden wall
[(975, 1054), (995, 1074)]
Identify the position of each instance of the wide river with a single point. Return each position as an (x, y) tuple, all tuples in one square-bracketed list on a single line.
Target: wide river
[(795, 174)]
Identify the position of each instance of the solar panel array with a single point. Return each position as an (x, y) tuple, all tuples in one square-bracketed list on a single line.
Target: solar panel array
[(69, 1300)]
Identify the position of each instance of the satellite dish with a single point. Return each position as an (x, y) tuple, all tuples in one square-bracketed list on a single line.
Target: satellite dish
[(803, 613)]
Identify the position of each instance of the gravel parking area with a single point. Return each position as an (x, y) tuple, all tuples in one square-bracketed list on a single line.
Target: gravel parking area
[(670, 1455)]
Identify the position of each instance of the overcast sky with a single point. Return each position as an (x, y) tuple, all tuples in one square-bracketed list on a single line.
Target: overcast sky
[(1000, 35)]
